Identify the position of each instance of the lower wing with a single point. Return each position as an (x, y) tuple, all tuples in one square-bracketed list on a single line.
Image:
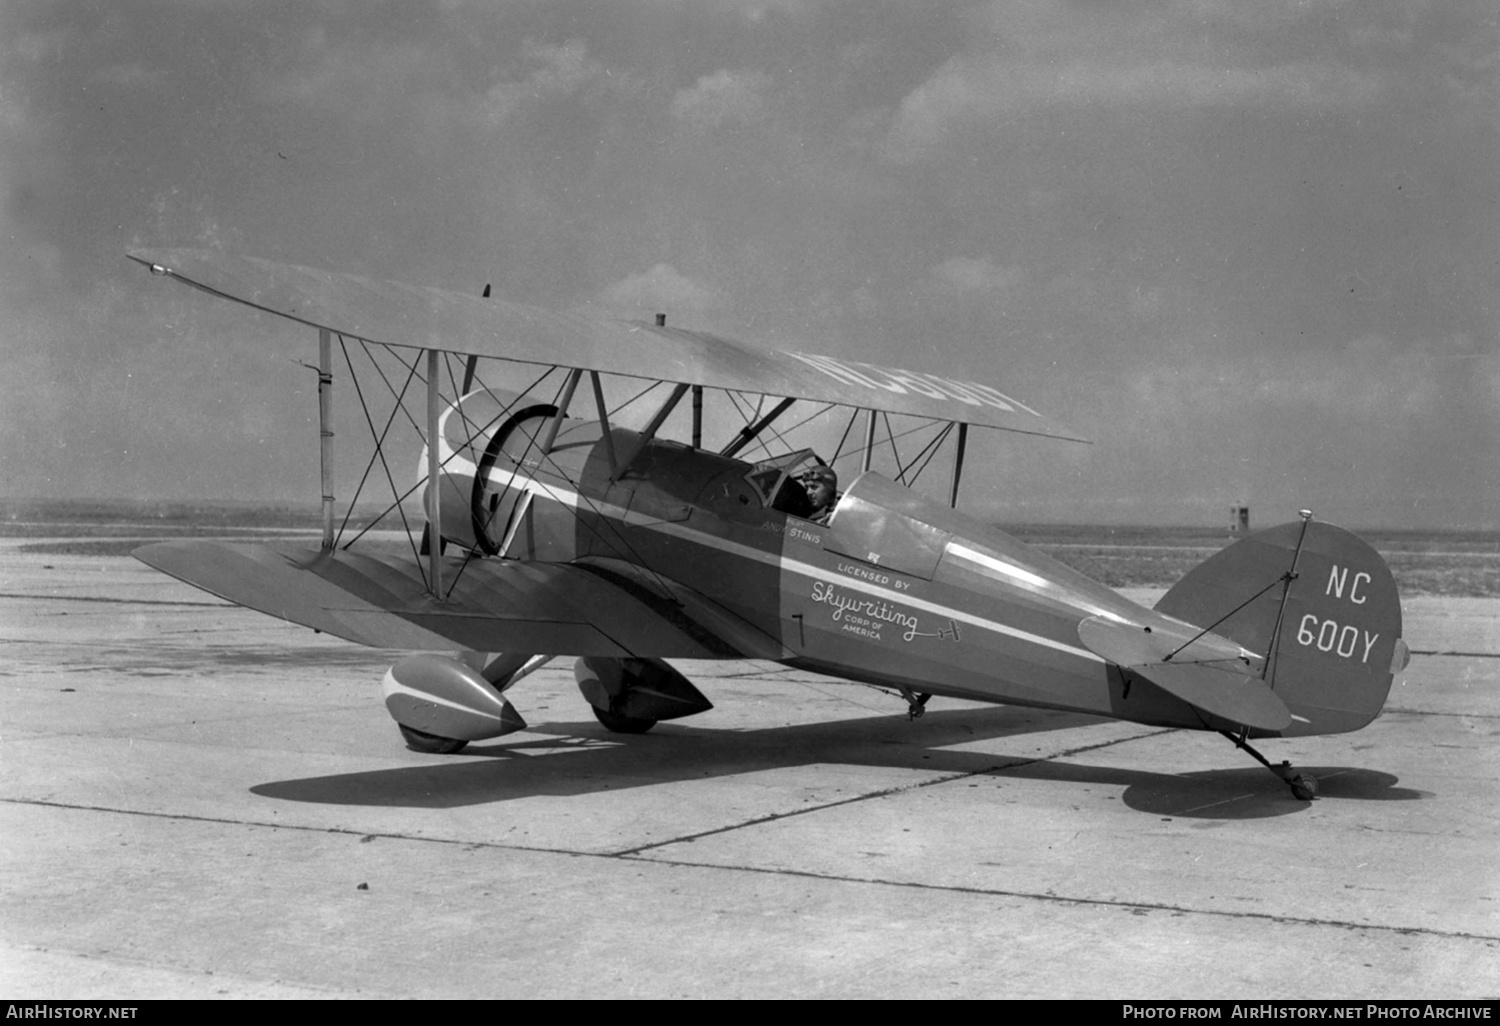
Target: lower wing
[(583, 609)]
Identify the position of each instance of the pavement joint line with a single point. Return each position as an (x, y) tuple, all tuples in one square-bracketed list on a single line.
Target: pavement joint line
[(1434, 712), (187, 817), (806, 874), (884, 793), (307, 709), (1063, 899), (776, 816), (218, 977), (1461, 655), (117, 601), (1214, 805)]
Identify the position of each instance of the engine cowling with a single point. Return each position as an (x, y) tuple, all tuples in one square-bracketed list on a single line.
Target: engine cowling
[(479, 500)]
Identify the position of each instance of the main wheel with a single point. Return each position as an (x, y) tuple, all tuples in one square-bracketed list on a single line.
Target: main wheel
[(1304, 787), (431, 744), (622, 724)]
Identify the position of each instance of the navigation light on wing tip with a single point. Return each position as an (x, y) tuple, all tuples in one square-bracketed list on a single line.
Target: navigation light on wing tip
[(158, 269)]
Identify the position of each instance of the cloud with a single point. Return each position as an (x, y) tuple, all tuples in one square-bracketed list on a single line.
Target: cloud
[(38, 45), (1027, 57), (30, 160), (363, 81), (1419, 391), (662, 288), (721, 98), (974, 93), (131, 74), (1171, 250), (753, 11), (374, 81), (959, 275), (562, 71)]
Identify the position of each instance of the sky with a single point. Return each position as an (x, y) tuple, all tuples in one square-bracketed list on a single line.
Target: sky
[(1251, 250)]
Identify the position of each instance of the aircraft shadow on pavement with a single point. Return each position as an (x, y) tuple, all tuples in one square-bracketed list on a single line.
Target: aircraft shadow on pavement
[(1241, 792), (582, 758)]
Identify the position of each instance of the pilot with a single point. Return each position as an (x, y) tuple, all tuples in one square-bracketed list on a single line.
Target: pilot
[(822, 486)]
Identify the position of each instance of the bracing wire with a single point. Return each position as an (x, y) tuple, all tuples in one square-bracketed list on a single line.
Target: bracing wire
[(530, 444), (624, 549), (889, 434), (839, 450), (380, 452), (379, 441), (782, 433), (370, 463), (927, 422), (613, 540), (381, 371), (929, 451), (633, 398), (804, 420)]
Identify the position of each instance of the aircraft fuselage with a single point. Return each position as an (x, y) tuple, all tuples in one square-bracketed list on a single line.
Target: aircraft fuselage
[(895, 590)]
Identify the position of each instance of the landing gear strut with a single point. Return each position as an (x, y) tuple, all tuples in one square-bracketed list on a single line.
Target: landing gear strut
[(1304, 785), (916, 705)]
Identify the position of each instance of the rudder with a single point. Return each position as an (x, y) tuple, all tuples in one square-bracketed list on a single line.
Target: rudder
[(1339, 646)]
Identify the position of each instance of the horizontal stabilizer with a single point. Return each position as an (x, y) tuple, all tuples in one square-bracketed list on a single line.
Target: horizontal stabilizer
[(493, 605), (1223, 692), (1212, 673), (1339, 646)]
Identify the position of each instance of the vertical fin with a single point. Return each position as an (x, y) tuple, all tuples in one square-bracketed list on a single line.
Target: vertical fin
[(1339, 643)]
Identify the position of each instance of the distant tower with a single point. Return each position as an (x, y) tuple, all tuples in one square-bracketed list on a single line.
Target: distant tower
[(1239, 521)]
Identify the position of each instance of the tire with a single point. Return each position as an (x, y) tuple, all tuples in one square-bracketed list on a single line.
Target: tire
[(622, 724), (430, 744)]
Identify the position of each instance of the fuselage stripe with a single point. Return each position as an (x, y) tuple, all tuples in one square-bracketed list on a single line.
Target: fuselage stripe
[(504, 478), (993, 568)]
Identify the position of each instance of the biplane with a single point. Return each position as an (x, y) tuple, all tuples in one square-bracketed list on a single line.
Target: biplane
[(553, 525)]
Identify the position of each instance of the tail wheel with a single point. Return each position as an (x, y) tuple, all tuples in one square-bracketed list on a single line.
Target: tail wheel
[(430, 744), (619, 724)]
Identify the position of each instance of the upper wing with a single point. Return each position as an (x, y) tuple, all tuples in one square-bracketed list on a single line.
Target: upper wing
[(494, 606), (408, 315)]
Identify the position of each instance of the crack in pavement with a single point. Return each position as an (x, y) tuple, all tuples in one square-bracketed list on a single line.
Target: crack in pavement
[(116, 601), (1392, 709), (888, 791), (1062, 899), (988, 892)]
